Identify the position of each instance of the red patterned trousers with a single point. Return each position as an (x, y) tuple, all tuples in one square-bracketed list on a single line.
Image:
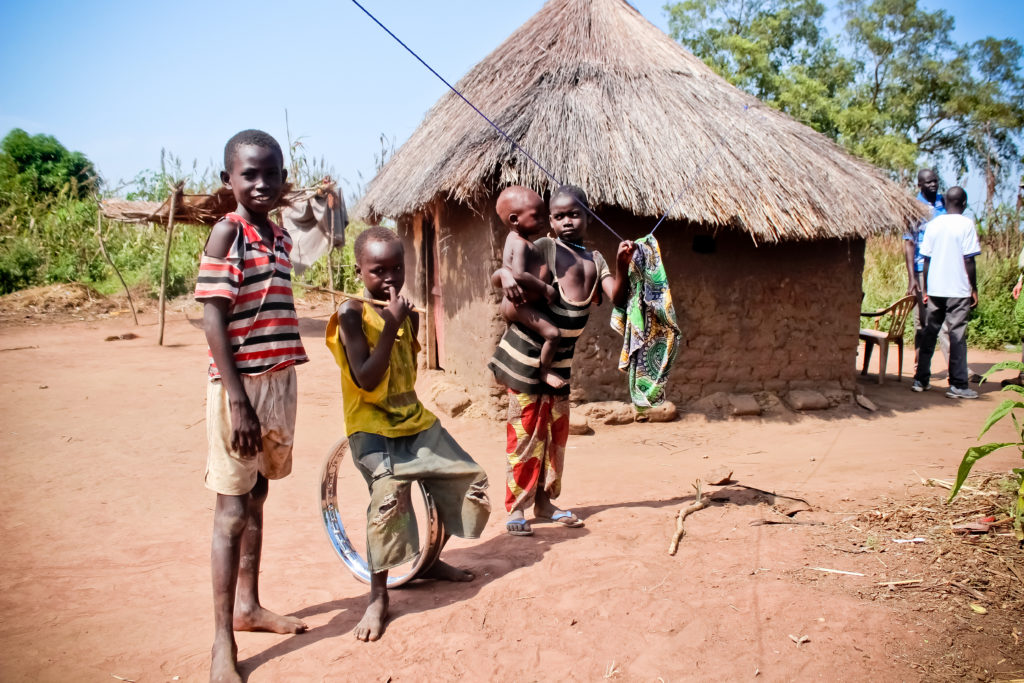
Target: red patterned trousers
[(538, 429)]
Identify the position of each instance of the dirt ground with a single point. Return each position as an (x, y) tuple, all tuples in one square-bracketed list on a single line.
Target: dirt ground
[(106, 525)]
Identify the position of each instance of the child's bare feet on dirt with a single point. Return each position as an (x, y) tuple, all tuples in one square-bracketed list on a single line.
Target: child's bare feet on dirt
[(442, 571), (261, 619), (552, 380), (371, 626), (224, 663)]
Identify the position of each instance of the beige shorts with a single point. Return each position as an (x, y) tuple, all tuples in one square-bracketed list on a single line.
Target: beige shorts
[(274, 398)]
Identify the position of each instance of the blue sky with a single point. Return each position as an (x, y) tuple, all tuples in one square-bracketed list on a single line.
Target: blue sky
[(119, 81)]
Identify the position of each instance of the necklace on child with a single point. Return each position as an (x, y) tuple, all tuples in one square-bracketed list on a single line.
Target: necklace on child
[(575, 245)]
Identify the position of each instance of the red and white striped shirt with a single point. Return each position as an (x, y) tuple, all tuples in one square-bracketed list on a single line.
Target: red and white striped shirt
[(262, 324)]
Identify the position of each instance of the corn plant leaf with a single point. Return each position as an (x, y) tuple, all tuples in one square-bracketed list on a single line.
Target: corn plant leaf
[(1018, 508), (1014, 387), (973, 455), (999, 413), (1003, 365)]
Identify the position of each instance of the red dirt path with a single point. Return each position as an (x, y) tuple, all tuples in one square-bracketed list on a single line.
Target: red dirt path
[(106, 529)]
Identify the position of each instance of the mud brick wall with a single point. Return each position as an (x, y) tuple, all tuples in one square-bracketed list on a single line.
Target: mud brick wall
[(469, 247), (754, 318)]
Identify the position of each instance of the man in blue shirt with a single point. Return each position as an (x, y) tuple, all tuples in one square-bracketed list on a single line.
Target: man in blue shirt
[(928, 184)]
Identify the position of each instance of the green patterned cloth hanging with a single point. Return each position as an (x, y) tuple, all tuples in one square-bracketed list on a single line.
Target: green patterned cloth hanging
[(648, 325)]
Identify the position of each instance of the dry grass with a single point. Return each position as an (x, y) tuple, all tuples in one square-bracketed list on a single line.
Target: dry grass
[(62, 302), (607, 101), (934, 583)]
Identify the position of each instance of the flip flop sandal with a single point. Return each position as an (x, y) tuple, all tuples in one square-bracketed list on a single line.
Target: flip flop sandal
[(567, 519), (522, 527)]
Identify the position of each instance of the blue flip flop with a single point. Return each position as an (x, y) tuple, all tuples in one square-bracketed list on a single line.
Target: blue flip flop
[(567, 519), (524, 527)]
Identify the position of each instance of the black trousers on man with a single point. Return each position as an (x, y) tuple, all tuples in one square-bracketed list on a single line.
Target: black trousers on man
[(954, 311)]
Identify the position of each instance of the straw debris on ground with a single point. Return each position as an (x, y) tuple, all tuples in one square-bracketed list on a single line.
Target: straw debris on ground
[(964, 589)]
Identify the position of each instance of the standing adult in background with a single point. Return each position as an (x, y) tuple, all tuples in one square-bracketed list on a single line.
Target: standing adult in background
[(928, 184), (951, 290), (1018, 317)]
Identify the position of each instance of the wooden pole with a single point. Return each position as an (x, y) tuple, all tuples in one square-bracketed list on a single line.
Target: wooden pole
[(103, 249), (330, 251), (176, 190)]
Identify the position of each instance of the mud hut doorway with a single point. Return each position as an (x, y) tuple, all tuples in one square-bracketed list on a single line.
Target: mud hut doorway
[(426, 229)]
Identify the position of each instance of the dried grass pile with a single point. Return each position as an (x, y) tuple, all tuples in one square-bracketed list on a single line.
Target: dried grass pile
[(57, 302)]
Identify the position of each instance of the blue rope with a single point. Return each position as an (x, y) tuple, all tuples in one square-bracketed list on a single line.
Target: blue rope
[(482, 115)]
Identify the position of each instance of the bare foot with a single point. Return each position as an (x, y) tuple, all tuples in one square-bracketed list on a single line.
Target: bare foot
[(264, 620), (224, 662), (371, 626), (552, 380), (442, 571)]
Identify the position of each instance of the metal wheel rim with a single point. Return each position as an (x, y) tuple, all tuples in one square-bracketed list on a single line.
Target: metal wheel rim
[(335, 528)]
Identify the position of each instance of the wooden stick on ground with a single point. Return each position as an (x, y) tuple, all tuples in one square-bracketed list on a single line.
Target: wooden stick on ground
[(346, 295), (908, 582), (699, 504)]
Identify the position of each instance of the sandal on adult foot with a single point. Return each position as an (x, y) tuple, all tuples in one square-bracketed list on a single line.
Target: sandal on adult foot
[(566, 519), (518, 527)]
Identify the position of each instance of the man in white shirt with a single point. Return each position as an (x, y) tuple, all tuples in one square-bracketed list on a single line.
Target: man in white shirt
[(951, 290)]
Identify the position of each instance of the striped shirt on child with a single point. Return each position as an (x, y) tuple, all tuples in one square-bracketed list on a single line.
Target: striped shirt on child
[(262, 325)]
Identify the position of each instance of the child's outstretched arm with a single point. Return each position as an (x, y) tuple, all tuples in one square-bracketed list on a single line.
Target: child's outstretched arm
[(246, 435), (369, 367), (617, 288)]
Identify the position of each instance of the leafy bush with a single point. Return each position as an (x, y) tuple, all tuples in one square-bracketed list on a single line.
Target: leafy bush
[(992, 325), (183, 267), (40, 167), (345, 279), (20, 260)]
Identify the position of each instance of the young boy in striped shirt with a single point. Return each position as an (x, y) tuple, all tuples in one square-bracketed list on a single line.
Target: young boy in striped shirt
[(253, 332)]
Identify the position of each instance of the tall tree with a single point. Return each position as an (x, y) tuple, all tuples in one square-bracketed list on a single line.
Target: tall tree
[(897, 89), (994, 109), (907, 96), (776, 50), (39, 166)]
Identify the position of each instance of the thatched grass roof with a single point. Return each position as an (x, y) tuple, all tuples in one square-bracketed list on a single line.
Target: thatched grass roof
[(607, 101), (198, 209)]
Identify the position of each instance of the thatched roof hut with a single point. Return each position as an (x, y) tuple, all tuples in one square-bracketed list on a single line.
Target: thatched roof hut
[(605, 100)]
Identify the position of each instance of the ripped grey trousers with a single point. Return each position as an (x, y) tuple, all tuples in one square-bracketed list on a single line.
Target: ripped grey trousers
[(391, 465)]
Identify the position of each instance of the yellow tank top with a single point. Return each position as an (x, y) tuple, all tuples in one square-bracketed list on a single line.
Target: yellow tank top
[(391, 408)]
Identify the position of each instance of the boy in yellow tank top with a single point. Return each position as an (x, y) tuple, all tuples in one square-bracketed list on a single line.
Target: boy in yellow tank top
[(395, 441)]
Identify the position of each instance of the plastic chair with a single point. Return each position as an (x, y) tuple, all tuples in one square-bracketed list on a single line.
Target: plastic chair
[(887, 330)]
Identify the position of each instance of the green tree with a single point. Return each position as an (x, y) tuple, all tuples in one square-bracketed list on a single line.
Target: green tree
[(776, 50), (38, 167), (895, 90), (994, 112)]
